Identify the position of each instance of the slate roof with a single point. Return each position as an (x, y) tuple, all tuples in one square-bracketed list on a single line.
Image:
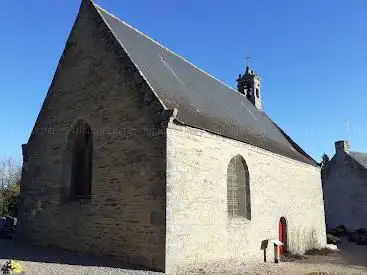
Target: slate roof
[(201, 100), (361, 158)]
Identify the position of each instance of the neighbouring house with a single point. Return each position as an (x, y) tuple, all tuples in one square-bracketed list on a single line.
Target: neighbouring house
[(139, 154), (345, 188)]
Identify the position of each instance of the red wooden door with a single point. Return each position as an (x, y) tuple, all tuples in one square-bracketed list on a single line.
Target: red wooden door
[(281, 236)]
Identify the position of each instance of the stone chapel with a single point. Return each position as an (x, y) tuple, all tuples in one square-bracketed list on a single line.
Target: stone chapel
[(139, 154)]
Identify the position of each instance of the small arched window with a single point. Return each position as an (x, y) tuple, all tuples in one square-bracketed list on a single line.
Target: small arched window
[(81, 161), (238, 189)]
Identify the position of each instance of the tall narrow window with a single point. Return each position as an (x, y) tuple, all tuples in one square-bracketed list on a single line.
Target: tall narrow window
[(81, 162), (238, 189)]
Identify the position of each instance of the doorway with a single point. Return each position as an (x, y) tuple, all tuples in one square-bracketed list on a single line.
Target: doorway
[(283, 235)]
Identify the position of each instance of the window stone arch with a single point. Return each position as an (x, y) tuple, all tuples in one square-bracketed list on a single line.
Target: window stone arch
[(238, 189), (79, 161)]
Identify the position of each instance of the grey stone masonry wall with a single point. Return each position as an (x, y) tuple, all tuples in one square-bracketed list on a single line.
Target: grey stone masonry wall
[(125, 217), (199, 232), (345, 191)]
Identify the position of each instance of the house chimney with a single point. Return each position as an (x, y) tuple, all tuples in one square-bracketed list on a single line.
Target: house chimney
[(342, 146), (249, 85)]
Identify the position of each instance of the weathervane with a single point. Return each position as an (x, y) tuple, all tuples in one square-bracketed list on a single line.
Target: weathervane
[(247, 60)]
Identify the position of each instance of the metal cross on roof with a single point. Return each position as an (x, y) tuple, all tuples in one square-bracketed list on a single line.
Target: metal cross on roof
[(247, 60)]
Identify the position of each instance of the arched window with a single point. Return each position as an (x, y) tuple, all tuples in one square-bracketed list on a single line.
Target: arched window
[(238, 189), (81, 161)]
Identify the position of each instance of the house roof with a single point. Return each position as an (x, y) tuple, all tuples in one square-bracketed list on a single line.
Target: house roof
[(201, 100), (361, 158)]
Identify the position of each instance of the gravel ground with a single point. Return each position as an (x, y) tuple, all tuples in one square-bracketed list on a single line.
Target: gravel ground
[(48, 261), (351, 260)]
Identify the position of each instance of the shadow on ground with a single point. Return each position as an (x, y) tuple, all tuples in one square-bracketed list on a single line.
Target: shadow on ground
[(9, 249), (353, 254), (350, 255)]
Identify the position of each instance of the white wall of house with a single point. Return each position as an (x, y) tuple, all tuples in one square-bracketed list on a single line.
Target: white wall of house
[(198, 227)]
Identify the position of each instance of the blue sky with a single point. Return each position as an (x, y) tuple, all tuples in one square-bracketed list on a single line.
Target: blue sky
[(311, 56)]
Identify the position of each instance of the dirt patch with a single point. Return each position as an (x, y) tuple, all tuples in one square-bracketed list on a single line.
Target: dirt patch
[(293, 257), (320, 252)]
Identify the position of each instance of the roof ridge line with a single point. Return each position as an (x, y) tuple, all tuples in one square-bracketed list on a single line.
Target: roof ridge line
[(293, 143), (357, 160), (167, 49), (358, 152), (127, 53)]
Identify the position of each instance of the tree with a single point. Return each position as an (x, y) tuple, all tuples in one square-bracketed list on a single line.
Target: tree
[(324, 167), (10, 175)]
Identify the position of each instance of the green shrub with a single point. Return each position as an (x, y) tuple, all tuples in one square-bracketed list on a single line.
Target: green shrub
[(361, 231), (340, 230), (331, 239), (10, 174), (9, 197)]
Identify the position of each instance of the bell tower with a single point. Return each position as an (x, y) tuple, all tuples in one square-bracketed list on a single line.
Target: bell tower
[(249, 85)]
